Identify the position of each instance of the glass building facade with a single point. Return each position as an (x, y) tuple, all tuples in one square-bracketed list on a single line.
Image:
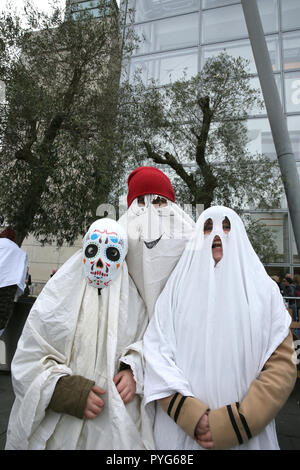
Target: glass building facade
[(75, 7), (180, 35)]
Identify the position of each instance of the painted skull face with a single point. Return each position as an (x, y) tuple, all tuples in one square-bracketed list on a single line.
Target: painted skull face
[(104, 250)]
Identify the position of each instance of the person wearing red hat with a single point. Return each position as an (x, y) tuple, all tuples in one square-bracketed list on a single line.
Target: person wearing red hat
[(149, 180), (13, 267), (157, 229)]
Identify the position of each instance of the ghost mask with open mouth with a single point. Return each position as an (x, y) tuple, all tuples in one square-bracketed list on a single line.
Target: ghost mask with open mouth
[(104, 250)]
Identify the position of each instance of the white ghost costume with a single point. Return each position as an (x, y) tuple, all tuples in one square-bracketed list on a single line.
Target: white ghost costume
[(13, 265), (73, 330), (156, 240), (214, 328)]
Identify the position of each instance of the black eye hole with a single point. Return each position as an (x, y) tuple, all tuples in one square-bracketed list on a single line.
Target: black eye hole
[(159, 200), (208, 226), (141, 201), (91, 251), (112, 253), (226, 225)]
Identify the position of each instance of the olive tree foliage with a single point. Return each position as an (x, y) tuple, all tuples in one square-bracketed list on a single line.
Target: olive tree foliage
[(58, 133), (195, 130)]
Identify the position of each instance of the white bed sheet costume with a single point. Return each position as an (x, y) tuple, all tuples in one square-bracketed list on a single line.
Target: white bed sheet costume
[(156, 240), (73, 330), (213, 329), (13, 265)]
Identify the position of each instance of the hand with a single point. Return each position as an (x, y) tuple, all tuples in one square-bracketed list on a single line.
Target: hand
[(126, 385), (94, 403), (203, 434)]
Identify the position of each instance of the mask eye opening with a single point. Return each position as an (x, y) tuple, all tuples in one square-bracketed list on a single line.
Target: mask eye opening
[(141, 201), (208, 226), (112, 253), (226, 225), (91, 250), (159, 201)]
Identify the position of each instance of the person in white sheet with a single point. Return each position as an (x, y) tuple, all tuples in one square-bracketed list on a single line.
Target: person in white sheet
[(77, 373), (13, 266), (218, 350), (158, 230)]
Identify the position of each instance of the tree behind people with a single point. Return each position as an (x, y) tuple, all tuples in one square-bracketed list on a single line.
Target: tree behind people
[(57, 128), (196, 129)]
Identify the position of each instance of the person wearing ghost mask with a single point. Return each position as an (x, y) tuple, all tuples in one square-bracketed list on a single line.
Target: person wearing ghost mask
[(158, 230), (218, 350), (77, 373)]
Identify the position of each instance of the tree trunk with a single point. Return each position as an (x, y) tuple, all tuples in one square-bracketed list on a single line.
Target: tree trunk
[(30, 207)]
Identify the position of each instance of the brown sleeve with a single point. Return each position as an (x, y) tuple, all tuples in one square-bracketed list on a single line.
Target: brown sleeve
[(70, 395), (185, 411), (237, 423)]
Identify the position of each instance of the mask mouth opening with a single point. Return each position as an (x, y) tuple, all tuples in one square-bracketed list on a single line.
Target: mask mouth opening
[(217, 242), (153, 243), (217, 249)]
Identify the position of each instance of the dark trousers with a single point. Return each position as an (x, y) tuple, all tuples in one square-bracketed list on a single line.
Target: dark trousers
[(7, 295)]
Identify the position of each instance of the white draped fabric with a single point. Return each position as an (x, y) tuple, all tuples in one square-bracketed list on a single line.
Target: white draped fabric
[(72, 330), (214, 328), (13, 265), (156, 240)]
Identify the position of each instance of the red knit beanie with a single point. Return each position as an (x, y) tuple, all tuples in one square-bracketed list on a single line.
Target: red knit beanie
[(149, 180), (9, 233)]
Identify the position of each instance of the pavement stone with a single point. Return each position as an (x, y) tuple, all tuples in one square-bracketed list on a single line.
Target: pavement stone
[(287, 421)]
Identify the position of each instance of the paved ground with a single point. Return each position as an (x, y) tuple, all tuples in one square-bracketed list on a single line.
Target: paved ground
[(287, 422)]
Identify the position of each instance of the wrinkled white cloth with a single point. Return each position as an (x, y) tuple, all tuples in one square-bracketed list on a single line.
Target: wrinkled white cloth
[(72, 330), (13, 265), (156, 240), (213, 330)]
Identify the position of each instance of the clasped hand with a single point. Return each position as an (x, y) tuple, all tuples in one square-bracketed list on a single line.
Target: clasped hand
[(126, 387), (203, 434)]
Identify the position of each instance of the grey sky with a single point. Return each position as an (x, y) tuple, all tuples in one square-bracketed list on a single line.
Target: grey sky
[(42, 4)]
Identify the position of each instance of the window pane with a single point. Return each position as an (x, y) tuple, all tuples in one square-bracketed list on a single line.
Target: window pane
[(243, 49), (229, 23), (166, 68), (293, 123), (290, 11), (292, 91), (278, 224), (291, 50), (260, 138), (146, 10), (169, 34), (217, 3), (269, 15), (82, 5), (255, 83), (223, 23), (78, 14), (296, 258)]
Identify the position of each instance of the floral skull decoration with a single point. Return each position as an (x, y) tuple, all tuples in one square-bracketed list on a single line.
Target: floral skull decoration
[(104, 249)]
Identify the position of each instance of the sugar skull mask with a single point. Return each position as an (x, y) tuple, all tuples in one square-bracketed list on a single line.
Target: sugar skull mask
[(104, 250)]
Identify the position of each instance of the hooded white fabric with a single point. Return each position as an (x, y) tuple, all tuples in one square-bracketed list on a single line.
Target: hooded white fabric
[(13, 265), (73, 330), (213, 330), (156, 240)]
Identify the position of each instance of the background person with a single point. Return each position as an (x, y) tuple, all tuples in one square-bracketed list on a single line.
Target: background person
[(289, 290), (13, 266)]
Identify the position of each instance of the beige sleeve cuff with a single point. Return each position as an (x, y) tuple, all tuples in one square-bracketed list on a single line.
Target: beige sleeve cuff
[(185, 411), (237, 423), (226, 427), (70, 395)]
